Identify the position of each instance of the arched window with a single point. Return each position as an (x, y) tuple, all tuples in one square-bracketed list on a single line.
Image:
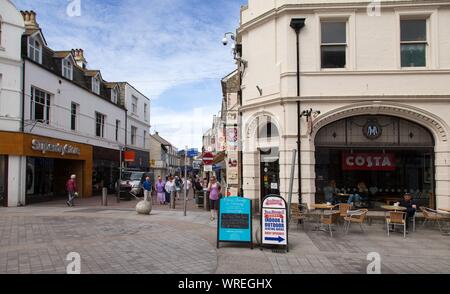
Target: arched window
[(268, 130)]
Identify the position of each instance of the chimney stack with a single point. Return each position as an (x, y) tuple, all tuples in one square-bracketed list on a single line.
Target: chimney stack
[(79, 58), (29, 18)]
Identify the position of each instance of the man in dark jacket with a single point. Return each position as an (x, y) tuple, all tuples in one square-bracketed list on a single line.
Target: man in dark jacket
[(411, 208)]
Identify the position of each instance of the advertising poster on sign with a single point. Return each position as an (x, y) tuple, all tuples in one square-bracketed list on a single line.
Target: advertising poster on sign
[(235, 221), (274, 221)]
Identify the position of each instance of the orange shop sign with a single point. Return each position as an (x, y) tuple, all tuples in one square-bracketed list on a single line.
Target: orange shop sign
[(129, 156)]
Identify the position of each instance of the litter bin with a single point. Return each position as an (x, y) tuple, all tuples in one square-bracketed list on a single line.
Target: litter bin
[(199, 198)]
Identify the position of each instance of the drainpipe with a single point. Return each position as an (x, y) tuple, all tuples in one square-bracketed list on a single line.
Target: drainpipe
[(297, 24)]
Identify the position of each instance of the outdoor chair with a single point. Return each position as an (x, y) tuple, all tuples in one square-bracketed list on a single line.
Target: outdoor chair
[(297, 215), (394, 219), (357, 217), (329, 220), (344, 208), (435, 216), (304, 209)]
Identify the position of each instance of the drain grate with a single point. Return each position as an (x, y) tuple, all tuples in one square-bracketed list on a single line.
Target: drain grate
[(279, 251)]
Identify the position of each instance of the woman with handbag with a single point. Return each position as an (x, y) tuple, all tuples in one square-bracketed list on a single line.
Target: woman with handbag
[(214, 190)]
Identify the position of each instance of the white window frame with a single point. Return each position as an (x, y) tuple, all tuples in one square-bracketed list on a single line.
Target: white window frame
[(349, 17), (77, 111), (133, 134), (102, 124), (117, 133), (67, 69), (96, 85), (145, 111), (46, 105), (32, 41), (114, 95), (134, 105), (432, 54)]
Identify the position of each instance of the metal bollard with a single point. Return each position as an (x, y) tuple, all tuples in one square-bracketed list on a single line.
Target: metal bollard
[(105, 197)]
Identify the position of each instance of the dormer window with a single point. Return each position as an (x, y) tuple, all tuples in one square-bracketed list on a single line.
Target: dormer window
[(34, 50), (96, 85), (67, 69), (114, 96)]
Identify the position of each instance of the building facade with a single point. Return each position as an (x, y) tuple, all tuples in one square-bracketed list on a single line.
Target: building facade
[(164, 157), (57, 117), (138, 125), (368, 100)]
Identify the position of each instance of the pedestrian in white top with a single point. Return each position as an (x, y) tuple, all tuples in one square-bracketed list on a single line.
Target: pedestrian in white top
[(171, 188)]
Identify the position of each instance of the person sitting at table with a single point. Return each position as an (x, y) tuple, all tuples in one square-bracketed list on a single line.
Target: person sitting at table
[(362, 195), (411, 208), (330, 192)]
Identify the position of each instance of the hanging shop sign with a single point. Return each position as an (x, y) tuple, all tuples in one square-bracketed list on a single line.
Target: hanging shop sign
[(274, 224), (129, 156), (62, 149), (368, 161), (235, 221)]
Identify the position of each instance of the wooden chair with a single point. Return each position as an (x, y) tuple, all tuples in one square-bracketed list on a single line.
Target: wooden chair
[(396, 218), (432, 215), (344, 208), (357, 216), (297, 215), (330, 220)]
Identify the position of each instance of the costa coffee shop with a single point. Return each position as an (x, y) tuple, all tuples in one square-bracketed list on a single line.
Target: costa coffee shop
[(47, 163), (390, 155)]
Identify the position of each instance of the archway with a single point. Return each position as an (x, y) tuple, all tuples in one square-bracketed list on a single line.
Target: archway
[(391, 155)]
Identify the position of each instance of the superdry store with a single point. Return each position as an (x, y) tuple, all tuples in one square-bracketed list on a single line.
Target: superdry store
[(390, 155), (44, 164)]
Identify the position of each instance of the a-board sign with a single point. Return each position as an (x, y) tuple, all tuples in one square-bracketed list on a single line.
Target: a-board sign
[(274, 223), (235, 221)]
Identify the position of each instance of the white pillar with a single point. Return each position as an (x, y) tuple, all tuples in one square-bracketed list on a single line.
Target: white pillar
[(16, 180)]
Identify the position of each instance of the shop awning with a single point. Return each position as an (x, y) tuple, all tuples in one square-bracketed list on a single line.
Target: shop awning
[(219, 157)]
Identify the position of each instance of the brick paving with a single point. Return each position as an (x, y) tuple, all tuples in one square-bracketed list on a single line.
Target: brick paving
[(115, 239)]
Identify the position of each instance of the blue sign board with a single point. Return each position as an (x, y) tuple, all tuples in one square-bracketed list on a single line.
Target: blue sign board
[(192, 153), (235, 221)]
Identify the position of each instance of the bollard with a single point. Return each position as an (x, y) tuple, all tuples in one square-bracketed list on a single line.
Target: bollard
[(105, 197)]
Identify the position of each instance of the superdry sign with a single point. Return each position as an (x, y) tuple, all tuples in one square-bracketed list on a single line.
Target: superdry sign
[(368, 161), (62, 149)]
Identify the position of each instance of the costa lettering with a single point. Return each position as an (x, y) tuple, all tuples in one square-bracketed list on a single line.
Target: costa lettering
[(369, 161), (45, 147)]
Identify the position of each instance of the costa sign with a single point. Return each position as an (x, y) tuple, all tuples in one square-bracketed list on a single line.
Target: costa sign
[(369, 161)]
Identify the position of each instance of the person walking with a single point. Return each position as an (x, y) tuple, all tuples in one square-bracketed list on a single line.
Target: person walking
[(160, 193), (171, 189), (71, 187), (187, 184), (214, 189)]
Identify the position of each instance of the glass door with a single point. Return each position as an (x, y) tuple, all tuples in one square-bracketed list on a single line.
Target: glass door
[(270, 172)]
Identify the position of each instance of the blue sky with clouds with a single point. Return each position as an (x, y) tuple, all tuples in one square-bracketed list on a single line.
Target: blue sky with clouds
[(170, 50)]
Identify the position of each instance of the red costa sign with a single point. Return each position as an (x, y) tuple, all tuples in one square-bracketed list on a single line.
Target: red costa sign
[(369, 161)]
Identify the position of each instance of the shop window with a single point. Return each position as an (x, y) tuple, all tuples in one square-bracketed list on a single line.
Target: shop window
[(100, 125), (40, 106), (414, 42), (334, 44)]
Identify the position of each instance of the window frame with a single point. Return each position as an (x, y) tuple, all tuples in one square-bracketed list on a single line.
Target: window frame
[(117, 129), (146, 112), (102, 121), (432, 52), (426, 42), (34, 49), (322, 44), (46, 106), (96, 85), (134, 106), (133, 134), (74, 117), (64, 64), (114, 96)]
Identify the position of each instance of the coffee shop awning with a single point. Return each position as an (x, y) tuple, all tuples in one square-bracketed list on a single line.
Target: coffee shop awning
[(219, 157)]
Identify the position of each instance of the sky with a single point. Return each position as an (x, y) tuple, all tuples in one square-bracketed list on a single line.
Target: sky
[(170, 50)]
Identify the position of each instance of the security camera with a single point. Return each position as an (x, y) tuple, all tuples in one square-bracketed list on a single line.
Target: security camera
[(225, 41)]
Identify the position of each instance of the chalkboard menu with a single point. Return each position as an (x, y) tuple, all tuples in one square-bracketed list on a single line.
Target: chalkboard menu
[(235, 221)]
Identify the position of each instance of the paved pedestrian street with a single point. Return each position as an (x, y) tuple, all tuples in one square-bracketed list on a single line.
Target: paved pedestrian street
[(37, 239)]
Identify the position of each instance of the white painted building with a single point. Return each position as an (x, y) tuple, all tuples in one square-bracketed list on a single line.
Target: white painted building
[(11, 29), (379, 78)]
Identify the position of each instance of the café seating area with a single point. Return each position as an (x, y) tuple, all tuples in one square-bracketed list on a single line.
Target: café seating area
[(345, 218)]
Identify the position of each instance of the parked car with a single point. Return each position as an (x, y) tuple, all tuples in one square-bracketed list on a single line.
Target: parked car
[(132, 184)]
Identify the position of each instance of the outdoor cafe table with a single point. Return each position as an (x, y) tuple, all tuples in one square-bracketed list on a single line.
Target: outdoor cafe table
[(343, 195), (445, 209), (322, 208)]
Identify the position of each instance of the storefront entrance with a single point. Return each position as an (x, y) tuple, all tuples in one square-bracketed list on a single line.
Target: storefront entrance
[(3, 180), (46, 178), (391, 156), (270, 172)]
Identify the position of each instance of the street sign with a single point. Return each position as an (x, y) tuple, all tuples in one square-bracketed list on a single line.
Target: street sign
[(208, 168), (235, 221), (191, 153), (274, 224), (208, 158)]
